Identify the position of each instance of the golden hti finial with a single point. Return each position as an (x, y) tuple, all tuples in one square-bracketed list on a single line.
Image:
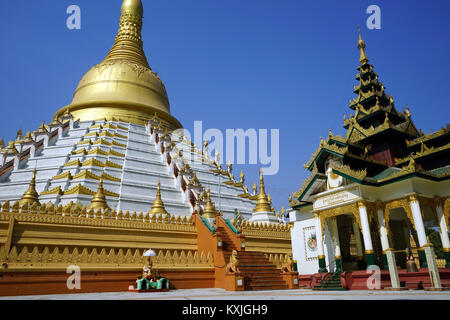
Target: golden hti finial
[(128, 43), (30, 196), (361, 46), (42, 128), (19, 135), (2, 143), (229, 166), (262, 203), (408, 113), (158, 205), (209, 210), (255, 188), (99, 200)]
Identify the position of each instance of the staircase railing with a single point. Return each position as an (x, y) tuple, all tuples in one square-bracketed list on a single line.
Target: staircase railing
[(206, 223), (230, 225)]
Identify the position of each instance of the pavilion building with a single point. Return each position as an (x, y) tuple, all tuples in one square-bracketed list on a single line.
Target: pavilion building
[(372, 193)]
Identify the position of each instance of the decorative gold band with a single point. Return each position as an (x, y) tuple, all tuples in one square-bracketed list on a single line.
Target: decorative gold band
[(368, 252), (446, 249), (338, 258), (321, 256)]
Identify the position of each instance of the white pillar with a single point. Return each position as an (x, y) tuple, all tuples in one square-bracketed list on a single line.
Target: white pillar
[(383, 230), (335, 235), (365, 228), (390, 256), (359, 247), (320, 249), (428, 248), (442, 226)]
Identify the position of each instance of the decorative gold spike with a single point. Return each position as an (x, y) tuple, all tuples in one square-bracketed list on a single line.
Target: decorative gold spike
[(2, 143), (99, 200), (210, 210), (361, 46), (128, 43), (262, 204), (158, 204), (30, 196)]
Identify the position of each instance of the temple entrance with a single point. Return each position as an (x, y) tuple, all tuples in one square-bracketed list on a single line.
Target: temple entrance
[(347, 240)]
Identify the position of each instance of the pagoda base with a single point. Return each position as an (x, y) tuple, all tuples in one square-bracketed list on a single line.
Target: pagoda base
[(357, 280), (264, 217), (41, 283)]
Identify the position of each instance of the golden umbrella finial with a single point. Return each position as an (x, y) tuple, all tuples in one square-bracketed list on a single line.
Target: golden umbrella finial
[(158, 205), (99, 200), (262, 204), (210, 210), (128, 44), (361, 46), (30, 196)]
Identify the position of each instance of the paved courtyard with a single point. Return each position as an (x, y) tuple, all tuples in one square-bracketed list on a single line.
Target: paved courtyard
[(219, 294)]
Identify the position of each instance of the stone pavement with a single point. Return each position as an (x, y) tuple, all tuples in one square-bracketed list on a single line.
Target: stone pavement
[(219, 294)]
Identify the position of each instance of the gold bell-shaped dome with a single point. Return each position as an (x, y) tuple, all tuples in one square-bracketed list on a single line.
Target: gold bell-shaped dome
[(123, 86)]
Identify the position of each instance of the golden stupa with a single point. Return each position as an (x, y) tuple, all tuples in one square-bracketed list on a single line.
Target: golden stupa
[(123, 86)]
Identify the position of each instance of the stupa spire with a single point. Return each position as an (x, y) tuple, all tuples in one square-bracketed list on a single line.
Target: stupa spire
[(263, 203), (30, 196), (210, 210), (158, 205), (128, 44), (361, 46), (99, 200)]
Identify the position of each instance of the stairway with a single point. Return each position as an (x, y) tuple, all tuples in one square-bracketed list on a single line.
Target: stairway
[(331, 282), (258, 272)]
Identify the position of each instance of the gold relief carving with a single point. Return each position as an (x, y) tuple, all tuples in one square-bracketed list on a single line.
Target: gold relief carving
[(97, 151), (329, 213), (113, 165), (86, 174), (91, 134), (115, 153), (121, 136), (119, 144), (52, 257), (106, 134), (74, 163), (102, 141), (80, 151), (63, 176), (358, 174), (79, 189), (54, 191), (428, 137), (399, 203), (88, 141), (106, 176), (93, 162)]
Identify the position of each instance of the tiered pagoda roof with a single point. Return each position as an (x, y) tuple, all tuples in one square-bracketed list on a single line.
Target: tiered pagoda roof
[(381, 144)]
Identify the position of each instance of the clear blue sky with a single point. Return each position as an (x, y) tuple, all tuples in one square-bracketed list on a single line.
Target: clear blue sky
[(287, 65)]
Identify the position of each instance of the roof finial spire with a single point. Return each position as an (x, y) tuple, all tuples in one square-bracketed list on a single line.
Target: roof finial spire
[(128, 44), (30, 196), (361, 46), (263, 203), (158, 205), (99, 200)]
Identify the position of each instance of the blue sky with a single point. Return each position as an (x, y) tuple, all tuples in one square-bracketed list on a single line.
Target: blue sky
[(265, 64)]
